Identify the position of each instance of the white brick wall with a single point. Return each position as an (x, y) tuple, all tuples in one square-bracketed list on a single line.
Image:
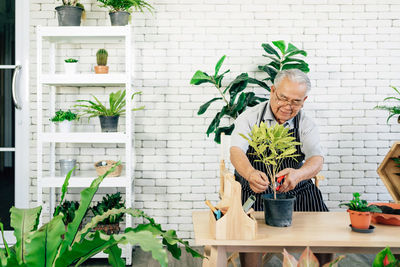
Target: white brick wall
[(353, 47)]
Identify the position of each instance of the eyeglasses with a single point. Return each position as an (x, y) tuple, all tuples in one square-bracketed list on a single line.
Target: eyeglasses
[(283, 101)]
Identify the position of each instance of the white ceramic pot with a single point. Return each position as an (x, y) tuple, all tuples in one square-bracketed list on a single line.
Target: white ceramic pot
[(65, 126), (70, 68)]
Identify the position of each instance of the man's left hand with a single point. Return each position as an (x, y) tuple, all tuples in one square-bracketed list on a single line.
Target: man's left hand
[(292, 178)]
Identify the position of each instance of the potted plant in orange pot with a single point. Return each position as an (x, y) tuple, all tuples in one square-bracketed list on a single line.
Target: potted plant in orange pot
[(101, 58), (360, 212)]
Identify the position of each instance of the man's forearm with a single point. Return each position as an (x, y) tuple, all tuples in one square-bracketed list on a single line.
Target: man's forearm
[(240, 161), (311, 167)]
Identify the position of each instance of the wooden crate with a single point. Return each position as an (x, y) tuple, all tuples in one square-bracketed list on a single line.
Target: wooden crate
[(235, 224), (387, 172)]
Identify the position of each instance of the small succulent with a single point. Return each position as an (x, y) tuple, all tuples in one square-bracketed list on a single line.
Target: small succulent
[(109, 202), (102, 56), (64, 115), (70, 60)]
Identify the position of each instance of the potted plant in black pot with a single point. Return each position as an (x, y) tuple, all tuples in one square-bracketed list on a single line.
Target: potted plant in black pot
[(108, 116), (360, 213), (64, 120), (120, 10), (109, 225), (272, 145), (70, 13)]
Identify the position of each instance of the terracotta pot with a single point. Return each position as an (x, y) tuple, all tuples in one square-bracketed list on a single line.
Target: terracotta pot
[(101, 69), (360, 220)]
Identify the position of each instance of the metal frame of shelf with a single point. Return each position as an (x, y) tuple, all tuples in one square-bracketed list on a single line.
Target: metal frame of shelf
[(60, 35)]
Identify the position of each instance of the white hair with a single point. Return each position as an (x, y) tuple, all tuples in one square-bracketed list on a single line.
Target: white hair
[(294, 75)]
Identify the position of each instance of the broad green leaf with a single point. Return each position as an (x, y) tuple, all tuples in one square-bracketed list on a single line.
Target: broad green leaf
[(215, 122), (281, 45), (219, 64), (23, 221), (268, 48), (200, 77), (237, 86), (301, 67), (227, 130), (378, 261), (269, 70), (308, 259), (42, 245), (294, 60), (114, 256), (290, 48), (260, 83), (296, 52), (273, 58), (205, 106)]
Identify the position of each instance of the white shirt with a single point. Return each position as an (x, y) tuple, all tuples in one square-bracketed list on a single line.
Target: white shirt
[(308, 130)]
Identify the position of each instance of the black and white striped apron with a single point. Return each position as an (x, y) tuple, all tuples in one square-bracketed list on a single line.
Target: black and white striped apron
[(308, 196)]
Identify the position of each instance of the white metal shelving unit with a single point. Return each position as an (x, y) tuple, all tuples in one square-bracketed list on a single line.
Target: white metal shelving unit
[(83, 35)]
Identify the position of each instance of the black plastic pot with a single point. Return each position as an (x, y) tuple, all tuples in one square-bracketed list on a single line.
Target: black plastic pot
[(69, 15), (120, 18), (278, 212), (109, 123)]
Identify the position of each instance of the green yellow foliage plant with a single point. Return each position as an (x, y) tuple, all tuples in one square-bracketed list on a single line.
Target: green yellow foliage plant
[(272, 144)]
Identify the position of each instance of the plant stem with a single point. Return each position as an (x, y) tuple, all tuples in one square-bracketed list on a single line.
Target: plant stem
[(223, 96)]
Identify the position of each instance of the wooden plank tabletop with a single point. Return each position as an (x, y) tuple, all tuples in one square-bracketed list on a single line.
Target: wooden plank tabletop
[(314, 229)]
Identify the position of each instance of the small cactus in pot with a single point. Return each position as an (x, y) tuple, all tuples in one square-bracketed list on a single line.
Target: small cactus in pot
[(101, 57)]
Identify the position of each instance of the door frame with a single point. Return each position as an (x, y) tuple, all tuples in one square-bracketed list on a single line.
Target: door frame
[(22, 120)]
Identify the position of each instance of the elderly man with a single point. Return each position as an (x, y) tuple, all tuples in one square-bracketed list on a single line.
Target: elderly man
[(287, 97)]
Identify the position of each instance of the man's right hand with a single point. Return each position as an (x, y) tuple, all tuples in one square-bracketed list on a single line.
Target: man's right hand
[(258, 181)]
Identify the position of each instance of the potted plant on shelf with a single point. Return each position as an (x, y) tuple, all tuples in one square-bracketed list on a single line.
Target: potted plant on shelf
[(64, 120), (272, 145), (70, 65), (46, 246), (393, 110), (101, 57), (120, 10), (235, 99), (70, 13), (360, 212), (108, 116), (109, 225)]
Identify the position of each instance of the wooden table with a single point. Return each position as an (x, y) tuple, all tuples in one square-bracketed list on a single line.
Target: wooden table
[(323, 232)]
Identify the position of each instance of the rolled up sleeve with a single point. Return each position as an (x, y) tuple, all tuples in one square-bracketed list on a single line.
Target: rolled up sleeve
[(309, 138)]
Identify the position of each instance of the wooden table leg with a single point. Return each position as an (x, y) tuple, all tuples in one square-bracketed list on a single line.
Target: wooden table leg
[(218, 257)]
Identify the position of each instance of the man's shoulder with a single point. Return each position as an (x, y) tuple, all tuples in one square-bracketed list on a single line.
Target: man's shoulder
[(306, 121)]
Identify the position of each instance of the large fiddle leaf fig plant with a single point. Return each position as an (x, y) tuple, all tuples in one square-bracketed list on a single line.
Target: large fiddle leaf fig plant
[(235, 99), (272, 144), (58, 245), (282, 58)]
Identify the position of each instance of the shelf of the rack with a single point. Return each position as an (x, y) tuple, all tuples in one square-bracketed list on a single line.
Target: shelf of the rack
[(84, 137), (74, 181), (84, 79), (84, 34)]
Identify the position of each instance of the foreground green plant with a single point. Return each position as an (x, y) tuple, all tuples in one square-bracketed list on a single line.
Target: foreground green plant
[(272, 145), (116, 101), (234, 99), (393, 110), (385, 258), (358, 204), (57, 245), (68, 209), (307, 259)]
